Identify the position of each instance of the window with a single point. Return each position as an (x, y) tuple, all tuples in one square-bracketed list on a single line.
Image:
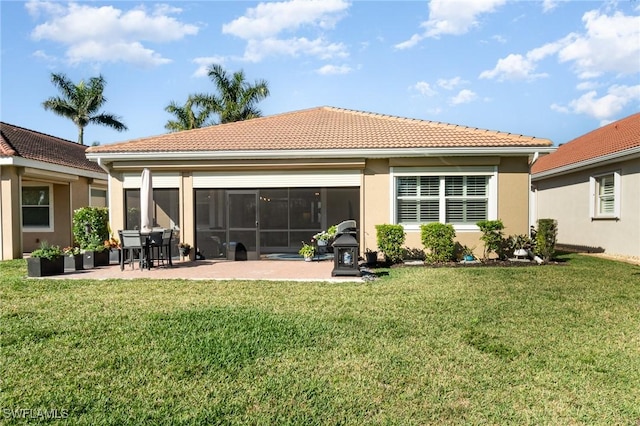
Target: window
[(37, 207), (605, 190), (457, 197), (98, 197)]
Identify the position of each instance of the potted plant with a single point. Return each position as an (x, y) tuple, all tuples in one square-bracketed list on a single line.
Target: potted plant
[(73, 258), (46, 260), (185, 249), (372, 257), (307, 251), (520, 245), (467, 253), (324, 239), (96, 253)]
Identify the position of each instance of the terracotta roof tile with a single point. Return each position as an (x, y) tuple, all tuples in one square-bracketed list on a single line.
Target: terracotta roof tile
[(20, 142), (614, 137), (323, 128)]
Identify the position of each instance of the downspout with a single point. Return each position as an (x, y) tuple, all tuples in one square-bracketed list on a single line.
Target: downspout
[(532, 195)]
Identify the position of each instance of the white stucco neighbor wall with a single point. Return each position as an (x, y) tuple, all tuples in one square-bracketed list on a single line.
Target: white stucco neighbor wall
[(567, 198)]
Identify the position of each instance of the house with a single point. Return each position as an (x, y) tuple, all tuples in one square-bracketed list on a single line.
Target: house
[(272, 182), (43, 179), (591, 186)]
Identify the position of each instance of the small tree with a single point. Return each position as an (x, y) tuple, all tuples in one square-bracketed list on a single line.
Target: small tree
[(491, 236), (438, 239), (390, 241), (546, 238)]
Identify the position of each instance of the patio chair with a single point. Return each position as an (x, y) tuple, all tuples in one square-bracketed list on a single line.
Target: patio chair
[(165, 251), (154, 242), (133, 244)]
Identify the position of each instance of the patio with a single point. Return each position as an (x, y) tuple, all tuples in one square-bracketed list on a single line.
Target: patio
[(271, 270)]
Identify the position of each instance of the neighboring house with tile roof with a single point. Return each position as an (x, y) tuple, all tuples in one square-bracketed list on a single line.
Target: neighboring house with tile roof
[(273, 182), (43, 179), (591, 186)]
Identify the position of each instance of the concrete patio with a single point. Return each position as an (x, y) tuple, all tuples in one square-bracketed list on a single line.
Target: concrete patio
[(272, 270)]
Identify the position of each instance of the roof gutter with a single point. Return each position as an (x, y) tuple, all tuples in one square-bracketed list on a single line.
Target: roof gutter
[(106, 157), (627, 154)]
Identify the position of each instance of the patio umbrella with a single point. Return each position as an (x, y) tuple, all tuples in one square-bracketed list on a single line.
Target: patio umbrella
[(146, 201)]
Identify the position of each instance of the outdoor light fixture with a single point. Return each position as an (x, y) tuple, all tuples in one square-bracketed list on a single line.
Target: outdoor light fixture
[(345, 250)]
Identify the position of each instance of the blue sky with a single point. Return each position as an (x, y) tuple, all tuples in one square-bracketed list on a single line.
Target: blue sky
[(550, 69)]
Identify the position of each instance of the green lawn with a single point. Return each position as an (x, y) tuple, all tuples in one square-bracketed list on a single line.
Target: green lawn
[(533, 345)]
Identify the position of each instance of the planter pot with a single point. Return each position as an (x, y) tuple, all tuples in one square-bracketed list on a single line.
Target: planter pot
[(91, 259), (521, 253), (184, 252), (469, 258), (74, 262), (372, 257), (41, 267), (307, 259)]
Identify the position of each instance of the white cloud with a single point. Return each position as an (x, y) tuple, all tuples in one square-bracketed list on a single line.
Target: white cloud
[(423, 88), (453, 17), (603, 107), (334, 69), (617, 35), (263, 25), (451, 83), (465, 96), (257, 50), (513, 67), (549, 5), (204, 63), (587, 85), (108, 34)]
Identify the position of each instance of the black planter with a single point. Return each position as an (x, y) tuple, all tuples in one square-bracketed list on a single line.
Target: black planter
[(372, 258), (41, 267), (91, 259), (74, 262), (184, 252)]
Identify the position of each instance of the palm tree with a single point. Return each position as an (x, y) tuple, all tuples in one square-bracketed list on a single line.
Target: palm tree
[(236, 99), (186, 118), (80, 103)]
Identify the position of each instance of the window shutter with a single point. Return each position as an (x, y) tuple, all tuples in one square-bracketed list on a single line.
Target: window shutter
[(407, 186), (607, 195)]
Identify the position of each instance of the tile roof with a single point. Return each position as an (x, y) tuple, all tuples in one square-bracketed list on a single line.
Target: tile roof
[(17, 141), (615, 137), (323, 128)]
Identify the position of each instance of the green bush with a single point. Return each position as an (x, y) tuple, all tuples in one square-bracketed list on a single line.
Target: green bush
[(390, 241), (90, 226), (546, 238), (492, 237), (47, 251), (438, 239)]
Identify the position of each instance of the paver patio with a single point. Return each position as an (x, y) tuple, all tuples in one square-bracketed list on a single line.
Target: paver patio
[(274, 270)]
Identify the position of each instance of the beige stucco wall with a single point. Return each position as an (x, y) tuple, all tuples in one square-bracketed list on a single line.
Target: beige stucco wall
[(513, 196), (567, 199), (10, 216), (67, 198), (375, 198)]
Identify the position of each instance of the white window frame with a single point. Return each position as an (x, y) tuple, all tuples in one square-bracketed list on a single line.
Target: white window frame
[(49, 228), (594, 198), (491, 172)]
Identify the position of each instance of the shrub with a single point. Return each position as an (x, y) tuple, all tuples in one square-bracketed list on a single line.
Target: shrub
[(413, 253), (492, 237), (90, 226), (546, 238), (47, 251), (438, 239), (390, 239)]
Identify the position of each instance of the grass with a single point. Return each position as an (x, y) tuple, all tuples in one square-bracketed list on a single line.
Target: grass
[(539, 345)]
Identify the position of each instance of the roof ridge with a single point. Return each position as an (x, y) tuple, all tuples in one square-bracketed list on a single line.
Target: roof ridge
[(429, 122)]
